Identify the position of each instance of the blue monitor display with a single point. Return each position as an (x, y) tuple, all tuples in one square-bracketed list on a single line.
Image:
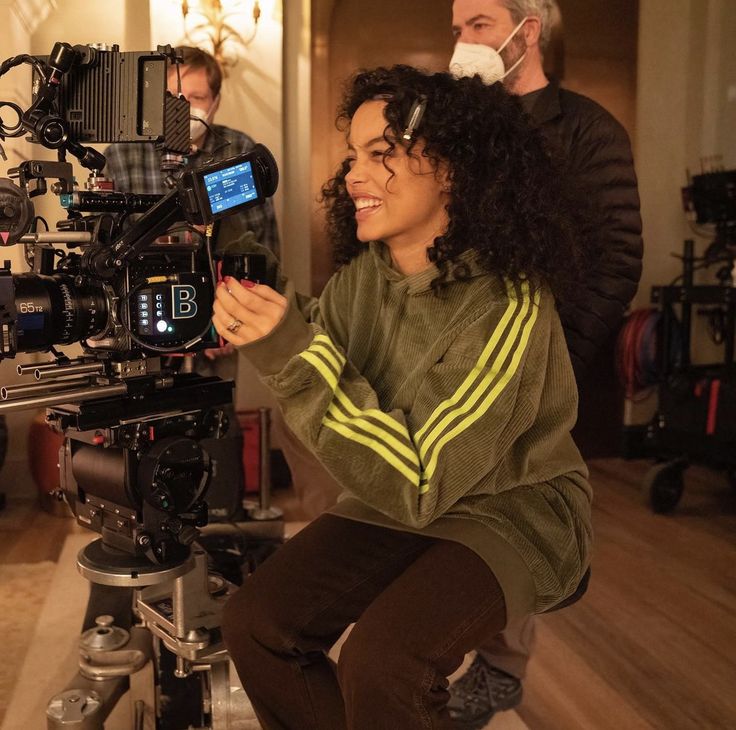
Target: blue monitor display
[(230, 187)]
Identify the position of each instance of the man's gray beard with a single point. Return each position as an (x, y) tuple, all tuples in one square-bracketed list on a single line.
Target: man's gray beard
[(511, 54)]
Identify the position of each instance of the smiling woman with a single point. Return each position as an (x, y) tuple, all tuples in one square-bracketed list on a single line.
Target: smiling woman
[(475, 177), (433, 382), (404, 203)]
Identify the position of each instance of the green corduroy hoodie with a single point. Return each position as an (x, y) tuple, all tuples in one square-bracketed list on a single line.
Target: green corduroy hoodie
[(448, 415)]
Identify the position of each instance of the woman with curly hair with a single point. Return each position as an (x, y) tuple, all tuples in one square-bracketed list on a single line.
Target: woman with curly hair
[(432, 380)]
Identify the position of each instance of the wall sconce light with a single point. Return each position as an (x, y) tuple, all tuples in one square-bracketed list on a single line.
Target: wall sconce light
[(218, 23)]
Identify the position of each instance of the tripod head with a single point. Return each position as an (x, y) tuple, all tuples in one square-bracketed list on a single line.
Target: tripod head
[(132, 467)]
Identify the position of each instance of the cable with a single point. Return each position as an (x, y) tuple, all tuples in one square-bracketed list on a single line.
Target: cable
[(24, 58), (28, 248), (702, 263), (7, 130), (626, 351), (700, 230), (208, 246), (18, 129), (224, 141), (637, 348)]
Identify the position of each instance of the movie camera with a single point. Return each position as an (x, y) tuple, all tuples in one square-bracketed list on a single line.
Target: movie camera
[(130, 278), (128, 298)]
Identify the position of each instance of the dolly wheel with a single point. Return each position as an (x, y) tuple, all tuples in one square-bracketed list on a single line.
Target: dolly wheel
[(664, 484)]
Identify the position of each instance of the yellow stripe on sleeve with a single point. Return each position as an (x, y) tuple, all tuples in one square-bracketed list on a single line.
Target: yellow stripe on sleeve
[(322, 341), (491, 396), (411, 475), (359, 422), (492, 373), (337, 360), (384, 418), (324, 356), (479, 366), (321, 367)]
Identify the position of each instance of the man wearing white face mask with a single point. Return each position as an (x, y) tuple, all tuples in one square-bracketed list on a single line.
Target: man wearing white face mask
[(504, 41), (472, 58)]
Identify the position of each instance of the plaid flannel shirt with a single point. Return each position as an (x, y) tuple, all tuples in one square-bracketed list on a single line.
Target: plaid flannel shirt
[(136, 168)]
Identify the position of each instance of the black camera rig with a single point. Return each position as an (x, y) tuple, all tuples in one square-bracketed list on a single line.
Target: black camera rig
[(710, 199), (133, 468)]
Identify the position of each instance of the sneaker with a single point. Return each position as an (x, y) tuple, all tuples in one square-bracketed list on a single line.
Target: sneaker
[(480, 693)]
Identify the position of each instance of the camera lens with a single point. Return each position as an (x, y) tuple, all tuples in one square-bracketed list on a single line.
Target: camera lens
[(52, 310)]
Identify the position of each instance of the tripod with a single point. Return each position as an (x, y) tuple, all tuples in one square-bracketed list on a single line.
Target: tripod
[(177, 614), (132, 468)]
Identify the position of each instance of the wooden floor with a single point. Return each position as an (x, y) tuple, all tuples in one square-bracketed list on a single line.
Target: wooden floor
[(652, 646)]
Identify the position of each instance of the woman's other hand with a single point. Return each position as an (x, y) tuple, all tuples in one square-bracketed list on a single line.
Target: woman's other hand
[(213, 353), (244, 312)]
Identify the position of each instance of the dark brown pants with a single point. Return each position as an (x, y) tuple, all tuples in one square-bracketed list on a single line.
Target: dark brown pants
[(418, 604)]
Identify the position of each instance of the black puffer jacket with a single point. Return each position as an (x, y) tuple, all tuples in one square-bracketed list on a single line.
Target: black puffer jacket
[(597, 152)]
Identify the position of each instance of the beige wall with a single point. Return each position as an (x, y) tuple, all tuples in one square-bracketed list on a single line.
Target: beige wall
[(686, 111), (601, 54), (725, 61)]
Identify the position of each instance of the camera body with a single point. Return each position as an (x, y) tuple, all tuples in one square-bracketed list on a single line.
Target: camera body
[(125, 292), (160, 299), (713, 197)]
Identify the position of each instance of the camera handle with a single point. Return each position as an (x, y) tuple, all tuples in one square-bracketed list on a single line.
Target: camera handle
[(106, 261), (38, 171)]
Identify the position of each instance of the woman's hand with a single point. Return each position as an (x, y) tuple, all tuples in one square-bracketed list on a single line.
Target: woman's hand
[(213, 353), (244, 312)]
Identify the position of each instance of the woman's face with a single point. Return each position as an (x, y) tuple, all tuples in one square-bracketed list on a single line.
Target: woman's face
[(403, 206)]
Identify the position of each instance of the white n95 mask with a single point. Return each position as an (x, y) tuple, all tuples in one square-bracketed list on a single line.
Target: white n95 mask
[(470, 59), (198, 119)]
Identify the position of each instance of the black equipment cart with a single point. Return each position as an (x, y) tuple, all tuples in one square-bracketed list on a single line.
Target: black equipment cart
[(696, 417)]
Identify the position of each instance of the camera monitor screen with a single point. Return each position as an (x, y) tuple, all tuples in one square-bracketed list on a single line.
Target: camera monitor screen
[(230, 187)]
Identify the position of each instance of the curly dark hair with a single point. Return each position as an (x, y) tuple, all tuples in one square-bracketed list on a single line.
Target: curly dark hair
[(510, 201)]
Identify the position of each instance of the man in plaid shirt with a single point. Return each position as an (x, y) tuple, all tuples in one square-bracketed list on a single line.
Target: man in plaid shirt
[(136, 168)]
